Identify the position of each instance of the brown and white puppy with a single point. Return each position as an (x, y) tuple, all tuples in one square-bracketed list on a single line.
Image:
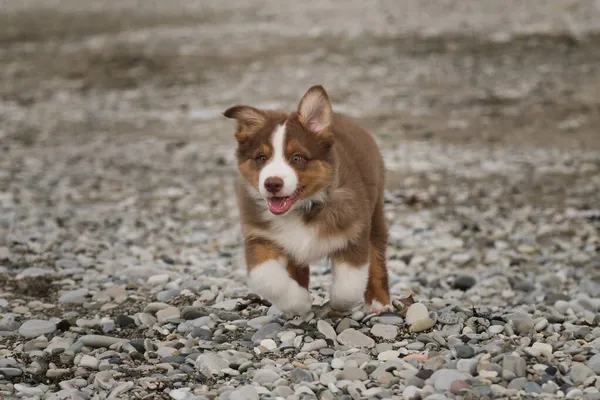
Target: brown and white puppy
[(311, 187)]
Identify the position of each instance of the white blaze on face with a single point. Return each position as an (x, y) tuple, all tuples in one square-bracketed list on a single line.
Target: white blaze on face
[(277, 166)]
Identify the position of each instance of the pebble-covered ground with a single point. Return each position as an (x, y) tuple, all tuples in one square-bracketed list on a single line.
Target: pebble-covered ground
[(120, 268)]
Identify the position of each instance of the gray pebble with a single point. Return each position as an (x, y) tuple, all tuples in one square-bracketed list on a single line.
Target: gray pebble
[(299, 375), (36, 327), (353, 338)]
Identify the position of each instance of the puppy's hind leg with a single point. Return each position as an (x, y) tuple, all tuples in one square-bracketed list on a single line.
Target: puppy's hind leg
[(377, 295)]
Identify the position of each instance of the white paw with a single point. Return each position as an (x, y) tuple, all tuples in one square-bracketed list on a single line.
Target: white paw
[(297, 301), (348, 287), (377, 308), (271, 281)]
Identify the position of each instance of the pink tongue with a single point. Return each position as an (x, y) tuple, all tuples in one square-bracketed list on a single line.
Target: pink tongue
[(279, 205)]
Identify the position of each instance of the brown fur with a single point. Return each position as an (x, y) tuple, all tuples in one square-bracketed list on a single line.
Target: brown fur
[(341, 160)]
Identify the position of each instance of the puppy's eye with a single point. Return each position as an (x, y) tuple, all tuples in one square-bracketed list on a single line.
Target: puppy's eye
[(296, 158), (261, 158)]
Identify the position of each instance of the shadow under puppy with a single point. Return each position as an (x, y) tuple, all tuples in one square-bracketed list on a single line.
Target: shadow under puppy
[(311, 186)]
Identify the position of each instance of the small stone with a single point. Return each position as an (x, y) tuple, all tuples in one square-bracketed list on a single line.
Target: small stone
[(464, 351), (388, 355), (228, 305), (268, 344), (74, 297), (550, 387), (36, 327), (541, 325), (353, 338), (523, 323), (167, 295), (513, 367), (517, 384), (442, 378), (211, 364), (265, 377), (496, 329), (532, 387), (575, 394), (327, 330), (416, 312), (464, 282), (89, 362), (337, 363), (386, 332), (354, 374), (299, 375), (245, 392), (411, 393), (315, 345), (458, 386), (543, 349), (168, 314), (594, 364), (124, 321), (580, 372), (201, 333), (268, 331), (96, 341), (388, 319), (422, 325), (448, 318)]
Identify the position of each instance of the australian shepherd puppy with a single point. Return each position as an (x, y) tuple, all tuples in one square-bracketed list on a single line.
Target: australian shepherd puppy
[(311, 187)]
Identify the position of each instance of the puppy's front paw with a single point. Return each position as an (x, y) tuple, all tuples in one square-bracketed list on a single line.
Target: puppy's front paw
[(296, 302)]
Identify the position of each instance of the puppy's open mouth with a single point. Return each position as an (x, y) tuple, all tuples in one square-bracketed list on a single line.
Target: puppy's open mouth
[(281, 205)]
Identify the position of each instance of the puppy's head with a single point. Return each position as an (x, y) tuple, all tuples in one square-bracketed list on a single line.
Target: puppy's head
[(286, 158)]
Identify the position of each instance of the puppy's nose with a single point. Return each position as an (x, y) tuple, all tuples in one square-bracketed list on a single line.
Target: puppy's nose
[(273, 184)]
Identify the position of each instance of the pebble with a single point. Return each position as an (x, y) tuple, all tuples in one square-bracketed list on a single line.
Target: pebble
[(168, 314), (411, 393), (326, 329), (542, 349), (464, 351), (416, 312), (464, 282), (89, 362), (579, 372), (36, 327), (422, 325), (95, 341), (268, 344), (314, 346), (265, 377), (443, 378), (594, 364), (74, 297), (386, 332), (353, 338), (299, 375), (354, 374), (532, 387), (388, 355), (523, 323), (211, 364), (244, 393)]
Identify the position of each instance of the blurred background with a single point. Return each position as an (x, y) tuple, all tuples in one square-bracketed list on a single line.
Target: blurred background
[(111, 128)]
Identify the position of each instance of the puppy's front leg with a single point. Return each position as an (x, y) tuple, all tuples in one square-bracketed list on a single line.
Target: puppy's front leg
[(269, 276), (350, 277)]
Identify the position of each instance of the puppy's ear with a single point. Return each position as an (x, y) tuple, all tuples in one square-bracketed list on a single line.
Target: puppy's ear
[(315, 111), (249, 119)]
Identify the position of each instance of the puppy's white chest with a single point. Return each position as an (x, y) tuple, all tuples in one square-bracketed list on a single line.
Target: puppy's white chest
[(302, 242)]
